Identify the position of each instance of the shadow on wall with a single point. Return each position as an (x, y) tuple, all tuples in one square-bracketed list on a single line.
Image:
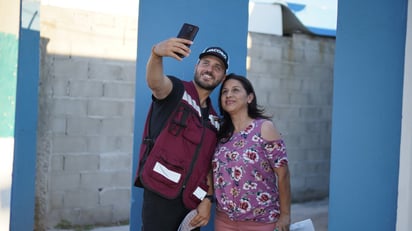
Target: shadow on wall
[(85, 140), (85, 117)]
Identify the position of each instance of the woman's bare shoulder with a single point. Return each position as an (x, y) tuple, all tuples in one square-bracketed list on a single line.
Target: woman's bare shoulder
[(269, 131)]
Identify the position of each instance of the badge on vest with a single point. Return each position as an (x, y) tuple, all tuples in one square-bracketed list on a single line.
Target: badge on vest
[(164, 171)]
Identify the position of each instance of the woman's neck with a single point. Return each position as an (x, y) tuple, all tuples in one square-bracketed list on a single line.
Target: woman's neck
[(241, 122)]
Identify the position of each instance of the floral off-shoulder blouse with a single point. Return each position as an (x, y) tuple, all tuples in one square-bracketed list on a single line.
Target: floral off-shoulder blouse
[(244, 177)]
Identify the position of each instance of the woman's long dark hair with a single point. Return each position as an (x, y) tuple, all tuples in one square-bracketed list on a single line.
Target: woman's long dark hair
[(254, 110)]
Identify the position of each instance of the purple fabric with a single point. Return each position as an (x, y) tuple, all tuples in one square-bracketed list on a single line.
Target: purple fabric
[(244, 177)]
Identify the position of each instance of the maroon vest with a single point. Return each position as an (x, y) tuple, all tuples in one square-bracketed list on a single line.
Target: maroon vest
[(179, 160)]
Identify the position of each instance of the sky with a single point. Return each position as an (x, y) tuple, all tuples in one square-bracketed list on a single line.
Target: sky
[(316, 13), (319, 16)]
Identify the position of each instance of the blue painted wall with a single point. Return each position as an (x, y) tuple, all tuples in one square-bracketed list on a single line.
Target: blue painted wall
[(222, 23), (24, 163), (368, 83)]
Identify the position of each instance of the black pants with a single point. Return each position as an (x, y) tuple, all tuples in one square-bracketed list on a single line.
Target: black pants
[(161, 214)]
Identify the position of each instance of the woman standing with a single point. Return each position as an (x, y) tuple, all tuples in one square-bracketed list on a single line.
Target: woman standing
[(250, 166)]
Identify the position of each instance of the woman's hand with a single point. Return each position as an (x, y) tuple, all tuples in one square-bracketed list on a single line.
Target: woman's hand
[(283, 223)]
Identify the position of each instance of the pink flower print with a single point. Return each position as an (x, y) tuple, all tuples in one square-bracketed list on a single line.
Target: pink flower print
[(223, 199), (244, 206), (220, 181), (239, 144), (221, 149), (274, 215), (249, 185), (236, 173), (258, 175), (246, 132), (249, 128), (265, 166), (255, 138), (230, 205), (232, 155), (269, 146), (251, 156), (234, 191), (263, 198), (281, 162), (215, 165), (276, 145), (258, 211)]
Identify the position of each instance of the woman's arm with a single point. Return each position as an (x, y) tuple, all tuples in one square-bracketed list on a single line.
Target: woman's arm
[(269, 132), (284, 197)]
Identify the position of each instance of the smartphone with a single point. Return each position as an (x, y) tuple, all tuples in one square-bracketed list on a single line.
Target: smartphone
[(188, 31)]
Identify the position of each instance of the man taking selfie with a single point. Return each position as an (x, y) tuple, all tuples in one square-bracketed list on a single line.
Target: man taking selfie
[(179, 138)]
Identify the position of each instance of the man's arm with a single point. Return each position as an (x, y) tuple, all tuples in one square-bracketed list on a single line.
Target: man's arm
[(160, 85), (204, 208)]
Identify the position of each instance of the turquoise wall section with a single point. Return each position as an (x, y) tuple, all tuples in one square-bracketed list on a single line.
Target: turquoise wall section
[(8, 79), (367, 106), (222, 23)]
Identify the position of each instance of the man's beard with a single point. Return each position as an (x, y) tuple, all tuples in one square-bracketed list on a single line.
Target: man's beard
[(203, 85)]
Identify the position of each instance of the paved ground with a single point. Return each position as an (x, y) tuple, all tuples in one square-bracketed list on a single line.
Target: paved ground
[(317, 211)]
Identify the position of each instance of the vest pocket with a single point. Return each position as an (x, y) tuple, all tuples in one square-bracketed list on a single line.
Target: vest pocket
[(163, 175)]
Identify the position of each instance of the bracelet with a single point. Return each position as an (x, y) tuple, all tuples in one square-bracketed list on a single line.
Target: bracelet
[(210, 197)]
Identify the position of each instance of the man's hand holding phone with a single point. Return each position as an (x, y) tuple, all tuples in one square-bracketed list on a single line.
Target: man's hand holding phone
[(177, 47), (172, 47), (189, 32)]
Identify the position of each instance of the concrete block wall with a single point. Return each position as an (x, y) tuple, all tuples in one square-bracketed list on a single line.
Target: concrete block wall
[(293, 78), (86, 116)]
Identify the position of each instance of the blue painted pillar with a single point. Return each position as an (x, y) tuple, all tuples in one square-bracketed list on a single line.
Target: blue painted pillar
[(366, 127), (221, 23), (24, 163)]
